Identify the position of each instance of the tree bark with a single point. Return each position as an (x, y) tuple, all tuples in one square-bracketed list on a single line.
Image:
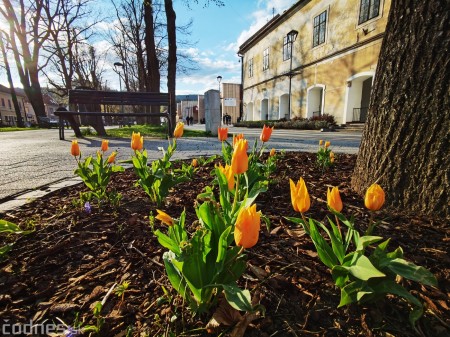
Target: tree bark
[(153, 75), (405, 144), (172, 58)]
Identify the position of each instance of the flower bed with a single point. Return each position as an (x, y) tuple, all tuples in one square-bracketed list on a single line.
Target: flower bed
[(71, 260)]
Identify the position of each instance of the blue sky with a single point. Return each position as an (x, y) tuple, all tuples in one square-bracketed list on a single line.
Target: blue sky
[(218, 33)]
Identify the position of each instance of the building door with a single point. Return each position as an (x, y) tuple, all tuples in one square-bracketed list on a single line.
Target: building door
[(365, 98), (315, 99), (264, 109)]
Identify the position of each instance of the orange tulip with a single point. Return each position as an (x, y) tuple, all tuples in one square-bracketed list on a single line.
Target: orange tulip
[(137, 141), (237, 137), (222, 133), (178, 132), (272, 153), (334, 199), (164, 217), (194, 162), (246, 231), (112, 157), (374, 198), (75, 148), (320, 142), (266, 133), (327, 144), (331, 154), (104, 146), (239, 160), (228, 172), (299, 196)]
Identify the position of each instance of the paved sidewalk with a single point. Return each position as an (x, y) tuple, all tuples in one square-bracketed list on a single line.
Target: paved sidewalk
[(35, 162)]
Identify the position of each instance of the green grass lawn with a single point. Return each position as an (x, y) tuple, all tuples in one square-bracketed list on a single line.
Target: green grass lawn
[(151, 131), (14, 128)]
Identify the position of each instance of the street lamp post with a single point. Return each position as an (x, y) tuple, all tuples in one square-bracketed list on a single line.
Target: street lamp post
[(219, 79), (292, 35), (118, 64)]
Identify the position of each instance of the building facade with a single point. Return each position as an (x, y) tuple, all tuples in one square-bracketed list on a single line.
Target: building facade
[(8, 115), (318, 57)]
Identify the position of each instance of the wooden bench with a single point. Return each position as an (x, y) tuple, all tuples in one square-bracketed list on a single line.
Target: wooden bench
[(88, 104)]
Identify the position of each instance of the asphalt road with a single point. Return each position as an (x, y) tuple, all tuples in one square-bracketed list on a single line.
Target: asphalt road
[(32, 159)]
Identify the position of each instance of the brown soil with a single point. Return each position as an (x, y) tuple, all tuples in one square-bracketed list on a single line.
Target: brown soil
[(72, 259)]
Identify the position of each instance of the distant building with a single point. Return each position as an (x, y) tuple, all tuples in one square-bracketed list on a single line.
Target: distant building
[(8, 115), (330, 68), (231, 101)]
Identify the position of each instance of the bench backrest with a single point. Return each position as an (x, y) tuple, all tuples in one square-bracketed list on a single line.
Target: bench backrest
[(81, 96)]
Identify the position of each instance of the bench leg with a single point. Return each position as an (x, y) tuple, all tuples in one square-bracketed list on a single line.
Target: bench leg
[(61, 128)]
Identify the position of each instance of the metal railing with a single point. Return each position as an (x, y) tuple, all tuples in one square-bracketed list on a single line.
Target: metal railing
[(360, 114)]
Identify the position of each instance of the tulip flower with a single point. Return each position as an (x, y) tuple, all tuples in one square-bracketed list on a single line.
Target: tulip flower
[(164, 217), (334, 199), (266, 133), (112, 157), (194, 162), (228, 172), (137, 141), (178, 132), (239, 160), (246, 231), (104, 146), (320, 142), (299, 196), (75, 148), (374, 198), (272, 152), (222, 133), (327, 144)]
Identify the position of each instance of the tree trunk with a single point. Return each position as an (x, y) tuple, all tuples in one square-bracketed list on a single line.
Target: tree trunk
[(20, 121), (153, 75), (172, 59), (405, 144)]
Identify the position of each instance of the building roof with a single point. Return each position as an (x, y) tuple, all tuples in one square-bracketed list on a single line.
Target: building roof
[(19, 91), (271, 25)]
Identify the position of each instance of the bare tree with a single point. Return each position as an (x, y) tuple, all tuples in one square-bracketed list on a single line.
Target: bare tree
[(26, 37), (69, 32), (20, 121)]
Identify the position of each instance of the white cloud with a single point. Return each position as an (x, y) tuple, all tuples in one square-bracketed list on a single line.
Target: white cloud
[(265, 11)]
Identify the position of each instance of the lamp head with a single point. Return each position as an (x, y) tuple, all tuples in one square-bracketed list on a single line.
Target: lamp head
[(292, 35), (219, 79)]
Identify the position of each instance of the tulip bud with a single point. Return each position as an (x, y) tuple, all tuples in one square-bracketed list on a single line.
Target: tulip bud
[(300, 196), (194, 162), (334, 199), (104, 146), (222, 133), (327, 144), (164, 217), (239, 160), (178, 132), (266, 133), (320, 142), (272, 152), (374, 198), (228, 172), (246, 230), (112, 157), (137, 141), (75, 148)]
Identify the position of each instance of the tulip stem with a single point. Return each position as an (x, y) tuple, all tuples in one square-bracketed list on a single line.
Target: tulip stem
[(371, 225), (306, 222), (236, 195), (338, 225)]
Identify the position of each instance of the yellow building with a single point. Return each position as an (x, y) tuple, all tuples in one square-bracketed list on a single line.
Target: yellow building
[(322, 54)]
